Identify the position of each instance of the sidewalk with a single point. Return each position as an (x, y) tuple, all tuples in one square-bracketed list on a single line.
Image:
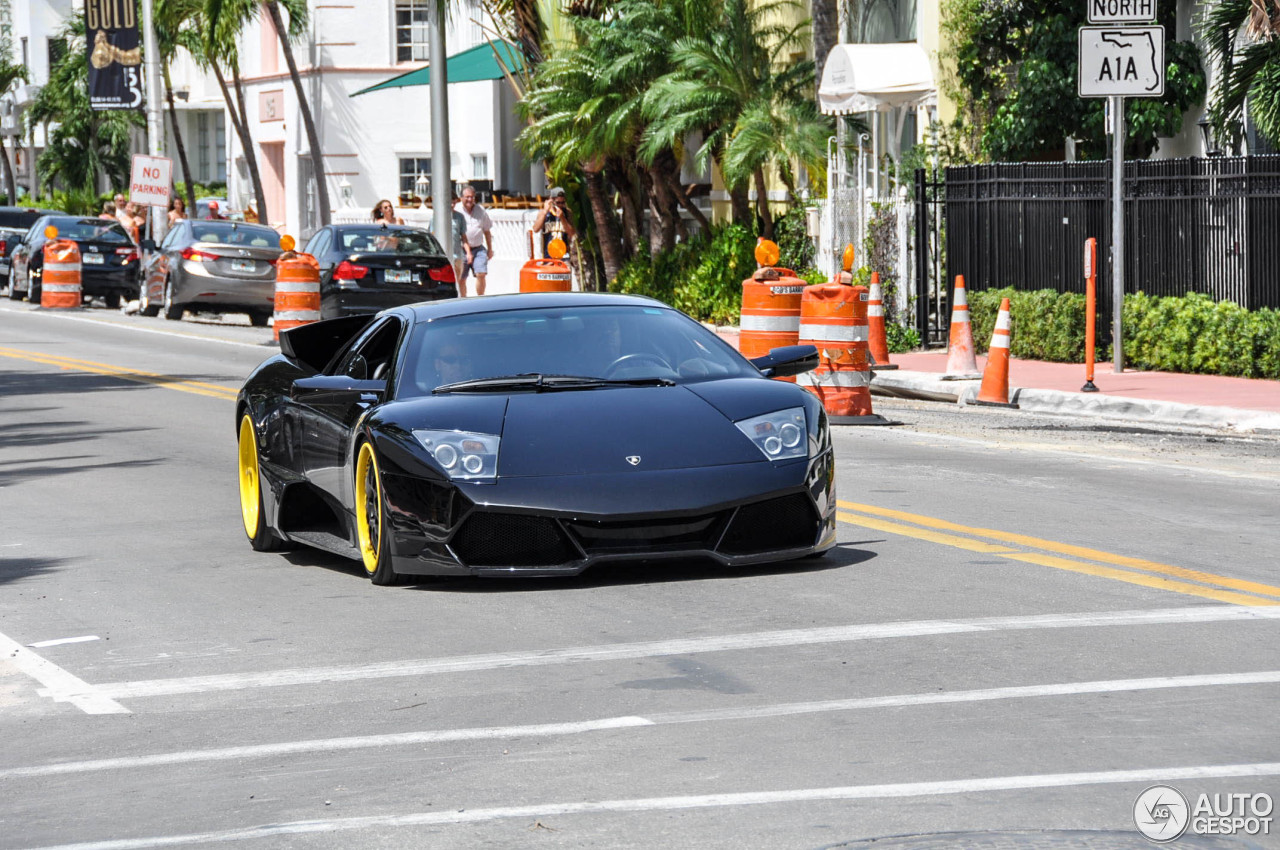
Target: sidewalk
[(1165, 398)]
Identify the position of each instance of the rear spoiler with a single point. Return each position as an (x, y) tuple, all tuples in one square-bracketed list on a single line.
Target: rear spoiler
[(314, 345)]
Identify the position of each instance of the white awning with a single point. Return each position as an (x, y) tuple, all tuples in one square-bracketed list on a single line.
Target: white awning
[(875, 78)]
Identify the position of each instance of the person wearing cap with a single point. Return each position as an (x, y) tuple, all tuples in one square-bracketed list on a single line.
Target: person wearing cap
[(214, 215), (554, 220)]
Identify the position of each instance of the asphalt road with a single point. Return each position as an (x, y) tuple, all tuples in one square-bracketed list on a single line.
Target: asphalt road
[(1028, 621)]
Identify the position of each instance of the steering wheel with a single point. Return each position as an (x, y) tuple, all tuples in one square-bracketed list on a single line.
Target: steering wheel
[(633, 359)]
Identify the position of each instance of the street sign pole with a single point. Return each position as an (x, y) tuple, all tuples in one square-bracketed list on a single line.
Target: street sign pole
[(1117, 230), (155, 129)]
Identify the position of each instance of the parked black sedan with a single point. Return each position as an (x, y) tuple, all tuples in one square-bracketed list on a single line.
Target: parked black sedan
[(14, 224), (533, 434), (223, 266), (365, 268), (108, 259)]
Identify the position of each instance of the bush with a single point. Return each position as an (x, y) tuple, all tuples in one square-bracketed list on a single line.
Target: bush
[(1047, 325), (703, 277), (794, 245), (1194, 334)]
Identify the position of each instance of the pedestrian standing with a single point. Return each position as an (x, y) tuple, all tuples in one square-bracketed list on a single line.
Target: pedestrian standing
[(385, 213), (477, 243), (177, 211), (459, 228), (108, 211), (554, 220)]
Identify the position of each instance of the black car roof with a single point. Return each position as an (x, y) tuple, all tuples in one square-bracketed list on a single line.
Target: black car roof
[(430, 310)]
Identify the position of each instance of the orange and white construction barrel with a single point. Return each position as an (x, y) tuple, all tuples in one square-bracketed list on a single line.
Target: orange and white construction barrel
[(833, 318), (770, 314), (297, 291), (60, 287), (545, 275)]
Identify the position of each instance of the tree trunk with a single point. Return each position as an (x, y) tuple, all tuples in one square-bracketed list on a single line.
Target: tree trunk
[(308, 122), (607, 235), (666, 203), (632, 232), (246, 142), (825, 26), (180, 145), (762, 205), (677, 192), (740, 204), (10, 182)]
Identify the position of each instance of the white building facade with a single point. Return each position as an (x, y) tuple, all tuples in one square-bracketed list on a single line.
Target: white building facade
[(375, 145)]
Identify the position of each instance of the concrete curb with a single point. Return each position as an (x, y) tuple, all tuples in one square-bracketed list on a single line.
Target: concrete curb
[(930, 387)]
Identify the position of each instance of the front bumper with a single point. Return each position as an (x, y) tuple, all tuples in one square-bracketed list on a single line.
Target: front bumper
[(734, 515)]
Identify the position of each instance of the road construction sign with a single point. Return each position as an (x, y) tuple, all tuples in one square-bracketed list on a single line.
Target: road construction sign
[(1121, 61)]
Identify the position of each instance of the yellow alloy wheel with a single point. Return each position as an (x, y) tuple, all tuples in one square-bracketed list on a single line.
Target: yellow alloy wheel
[(250, 484), (368, 508)]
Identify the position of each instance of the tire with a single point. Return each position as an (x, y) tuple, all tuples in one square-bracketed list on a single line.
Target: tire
[(34, 289), (172, 312), (261, 537), (145, 307), (14, 294), (371, 528), (112, 300), (259, 318)]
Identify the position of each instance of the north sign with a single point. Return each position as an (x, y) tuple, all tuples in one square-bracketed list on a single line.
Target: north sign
[(1121, 11)]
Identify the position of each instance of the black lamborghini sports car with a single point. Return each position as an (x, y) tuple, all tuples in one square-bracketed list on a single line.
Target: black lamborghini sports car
[(532, 434)]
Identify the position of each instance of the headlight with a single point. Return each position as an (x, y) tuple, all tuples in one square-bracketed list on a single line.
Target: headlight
[(465, 456), (781, 435)]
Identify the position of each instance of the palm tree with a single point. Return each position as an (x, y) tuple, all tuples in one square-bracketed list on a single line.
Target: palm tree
[(826, 25), (1251, 73), (84, 145), (170, 17), (10, 74), (232, 17)]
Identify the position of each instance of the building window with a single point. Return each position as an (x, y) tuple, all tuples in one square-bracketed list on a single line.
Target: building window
[(412, 21), (479, 166), (410, 168), (203, 143), (57, 49), (220, 146), (475, 16)]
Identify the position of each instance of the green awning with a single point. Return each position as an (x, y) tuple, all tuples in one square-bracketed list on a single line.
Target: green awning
[(478, 63)]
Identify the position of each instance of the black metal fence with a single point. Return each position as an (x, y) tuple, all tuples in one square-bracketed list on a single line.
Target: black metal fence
[(1192, 225)]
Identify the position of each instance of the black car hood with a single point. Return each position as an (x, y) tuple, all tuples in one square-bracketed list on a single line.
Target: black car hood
[(593, 431)]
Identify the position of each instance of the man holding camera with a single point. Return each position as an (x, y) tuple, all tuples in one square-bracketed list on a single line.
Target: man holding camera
[(554, 220)]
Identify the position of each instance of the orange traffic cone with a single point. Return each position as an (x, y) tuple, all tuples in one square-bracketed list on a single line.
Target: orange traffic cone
[(995, 379), (878, 337), (962, 363)]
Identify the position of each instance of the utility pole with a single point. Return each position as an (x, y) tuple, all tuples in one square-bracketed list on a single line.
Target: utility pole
[(155, 127), (441, 186), (1116, 106)]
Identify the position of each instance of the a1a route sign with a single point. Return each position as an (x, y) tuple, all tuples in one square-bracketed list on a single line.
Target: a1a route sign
[(1121, 61)]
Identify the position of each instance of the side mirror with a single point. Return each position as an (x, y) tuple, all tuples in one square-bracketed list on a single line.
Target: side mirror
[(787, 361), (148, 244), (335, 389)]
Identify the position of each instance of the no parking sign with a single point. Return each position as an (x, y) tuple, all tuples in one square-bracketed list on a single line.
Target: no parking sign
[(150, 180)]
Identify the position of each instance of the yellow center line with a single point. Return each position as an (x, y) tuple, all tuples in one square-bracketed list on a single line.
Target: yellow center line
[(1125, 575), (135, 375)]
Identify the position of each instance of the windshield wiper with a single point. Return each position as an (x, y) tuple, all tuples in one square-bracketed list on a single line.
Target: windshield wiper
[(546, 383)]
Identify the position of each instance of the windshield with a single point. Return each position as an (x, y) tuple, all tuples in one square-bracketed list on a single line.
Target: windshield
[(612, 343), (90, 230), (231, 233), (399, 240)]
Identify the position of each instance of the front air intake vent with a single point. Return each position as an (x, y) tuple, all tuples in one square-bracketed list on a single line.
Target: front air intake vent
[(512, 540), (789, 522)]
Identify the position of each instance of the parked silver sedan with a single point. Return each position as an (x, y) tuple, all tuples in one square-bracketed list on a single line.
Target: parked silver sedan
[(215, 266)]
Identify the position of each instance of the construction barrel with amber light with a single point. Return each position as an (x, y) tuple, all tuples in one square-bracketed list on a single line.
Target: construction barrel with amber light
[(60, 276), (833, 318), (548, 275), (770, 314), (297, 299)]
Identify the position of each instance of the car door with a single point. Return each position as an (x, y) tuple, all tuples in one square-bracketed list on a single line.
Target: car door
[(158, 262), (19, 260), (328, 417)]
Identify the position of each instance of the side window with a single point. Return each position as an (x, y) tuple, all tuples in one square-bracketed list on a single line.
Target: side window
[(171, 238), (372, 355), (316, 246)]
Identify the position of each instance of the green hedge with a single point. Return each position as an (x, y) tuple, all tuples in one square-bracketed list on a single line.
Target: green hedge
[(1191, 333), (703, 277)]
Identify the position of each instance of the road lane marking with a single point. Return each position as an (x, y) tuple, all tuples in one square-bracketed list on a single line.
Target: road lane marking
[(102, 323), (135, 375), (1262, 594), (683, 646), (60, 641), (59, 685), (703, 801), (754, 712)]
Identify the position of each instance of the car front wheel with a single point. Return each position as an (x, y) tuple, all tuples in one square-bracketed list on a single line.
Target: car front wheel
[(14, 294), (172, 311), (371, 515)]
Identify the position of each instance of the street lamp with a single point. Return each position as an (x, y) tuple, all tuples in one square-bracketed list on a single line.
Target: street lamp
[(1209, 137), (345, 188), (423, 185)]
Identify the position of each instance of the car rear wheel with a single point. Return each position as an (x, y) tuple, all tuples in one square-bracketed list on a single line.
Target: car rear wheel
[(371, 526), (261, 537), (14, 294), (172, 311), (112, 300), (34, 288), (259, 318)]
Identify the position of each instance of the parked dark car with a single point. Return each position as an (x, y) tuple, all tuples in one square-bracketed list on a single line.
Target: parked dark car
[(539, 434), (14, 224), (108, 259), (222, 266), (365, 268)]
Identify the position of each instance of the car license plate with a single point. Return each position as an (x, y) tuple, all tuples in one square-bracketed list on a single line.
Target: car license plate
[(91, 259), (242, 265), (399, 276)]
